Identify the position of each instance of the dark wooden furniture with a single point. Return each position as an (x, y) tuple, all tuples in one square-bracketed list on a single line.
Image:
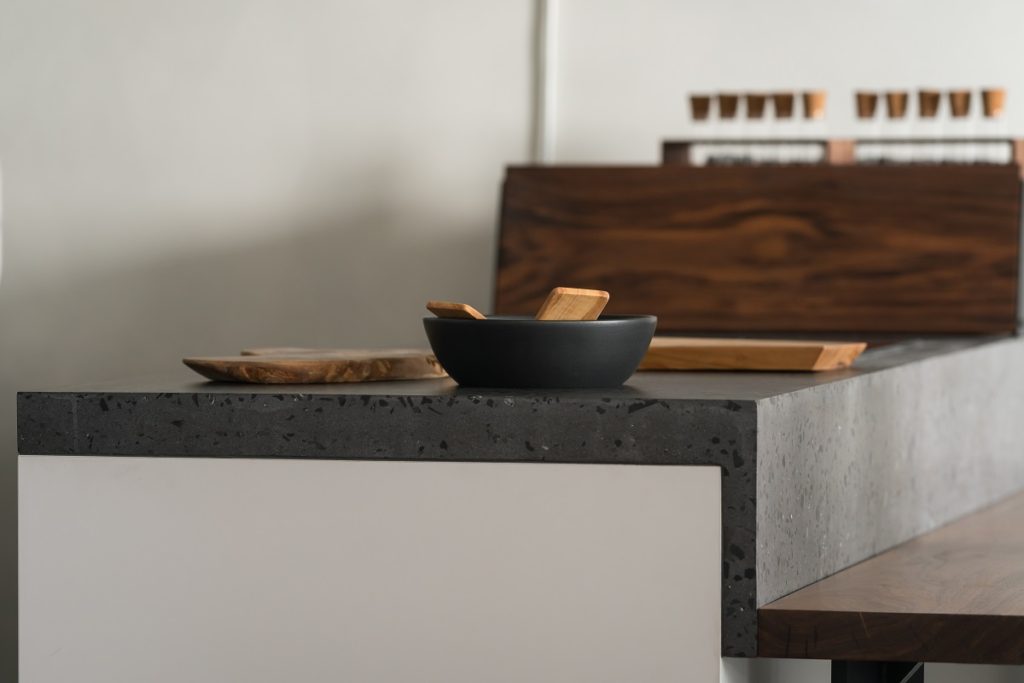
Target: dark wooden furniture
[(953, 595), (809, 249)]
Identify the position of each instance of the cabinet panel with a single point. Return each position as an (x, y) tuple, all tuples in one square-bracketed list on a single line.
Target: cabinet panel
[(194, 569)]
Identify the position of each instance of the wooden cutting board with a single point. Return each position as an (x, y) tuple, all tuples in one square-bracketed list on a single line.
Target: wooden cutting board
[(318, 366), (692, 353)]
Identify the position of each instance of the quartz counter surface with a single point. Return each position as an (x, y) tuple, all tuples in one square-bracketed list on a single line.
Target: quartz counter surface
[(819, 471)]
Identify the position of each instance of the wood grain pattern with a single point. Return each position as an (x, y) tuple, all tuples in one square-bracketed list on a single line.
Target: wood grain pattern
[(572, 303), (701, 353), (318, 366), (287, 351), (452, 309), (953, 595), (930, 249)]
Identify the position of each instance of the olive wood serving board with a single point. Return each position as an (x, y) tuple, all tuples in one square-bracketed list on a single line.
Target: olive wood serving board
[(318, 366), (694, 353)]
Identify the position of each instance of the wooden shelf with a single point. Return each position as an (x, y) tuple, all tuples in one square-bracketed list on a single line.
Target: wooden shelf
[(842, 151), (953, 595)]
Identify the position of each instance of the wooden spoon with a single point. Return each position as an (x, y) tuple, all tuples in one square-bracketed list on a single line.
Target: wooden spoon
[(563, 303), (452, 309), (570, 303)]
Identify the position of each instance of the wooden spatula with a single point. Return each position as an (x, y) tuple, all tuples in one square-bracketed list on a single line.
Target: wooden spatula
[(563, 303), (570, 303), (452, 309)]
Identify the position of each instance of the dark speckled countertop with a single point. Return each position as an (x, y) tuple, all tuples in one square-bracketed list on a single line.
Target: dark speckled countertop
[(740, 422)]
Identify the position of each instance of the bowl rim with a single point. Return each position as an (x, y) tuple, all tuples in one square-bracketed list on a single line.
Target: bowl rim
[(524, 320)]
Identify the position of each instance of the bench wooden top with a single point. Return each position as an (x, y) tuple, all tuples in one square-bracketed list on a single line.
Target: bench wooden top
[(953, 595)]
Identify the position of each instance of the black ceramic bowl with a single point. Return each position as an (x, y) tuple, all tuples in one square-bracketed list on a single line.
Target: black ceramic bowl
[(520, 352)]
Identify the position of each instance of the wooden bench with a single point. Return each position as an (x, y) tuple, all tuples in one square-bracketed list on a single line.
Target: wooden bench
[(953, 595)]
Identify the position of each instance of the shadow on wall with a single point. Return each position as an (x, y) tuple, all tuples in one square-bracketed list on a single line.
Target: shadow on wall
[(355, 277)]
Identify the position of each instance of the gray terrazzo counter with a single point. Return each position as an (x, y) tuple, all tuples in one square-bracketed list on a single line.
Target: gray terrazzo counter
[(819, 471)]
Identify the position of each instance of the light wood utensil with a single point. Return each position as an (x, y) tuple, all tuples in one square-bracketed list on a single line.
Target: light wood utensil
[(452, 309), (686, 353), (570, 303), (318, 366), (563, 303)]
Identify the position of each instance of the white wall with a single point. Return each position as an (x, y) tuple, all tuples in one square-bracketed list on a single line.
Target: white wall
[(193, 177), (626, 67)]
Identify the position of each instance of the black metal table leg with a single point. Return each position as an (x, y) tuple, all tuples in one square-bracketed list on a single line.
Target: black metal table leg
[(877, 672)]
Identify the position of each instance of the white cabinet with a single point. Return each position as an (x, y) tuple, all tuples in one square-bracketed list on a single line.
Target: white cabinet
[(194, 570)]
